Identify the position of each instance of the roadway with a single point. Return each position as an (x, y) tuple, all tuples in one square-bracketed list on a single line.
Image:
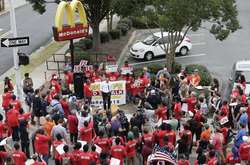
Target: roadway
[(29, 23)]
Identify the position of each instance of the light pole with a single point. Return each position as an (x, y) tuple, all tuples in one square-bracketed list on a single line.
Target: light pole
[(15, 50)]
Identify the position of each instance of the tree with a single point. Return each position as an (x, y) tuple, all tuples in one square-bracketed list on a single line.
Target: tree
[(180, 16), (96, 11)]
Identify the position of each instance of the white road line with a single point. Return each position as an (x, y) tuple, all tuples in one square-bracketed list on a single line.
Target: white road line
[(5, 34), (181, 57), (195, 34), (199, 43)]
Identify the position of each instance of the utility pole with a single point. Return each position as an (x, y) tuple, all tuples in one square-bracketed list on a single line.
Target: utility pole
[(15, 50)]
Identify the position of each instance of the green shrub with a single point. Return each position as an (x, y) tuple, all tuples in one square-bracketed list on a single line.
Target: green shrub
[(104, 37), (115, 34), (79, 55), (205, 75), (126, 21), (142, 23), (84, 43), (90, 36), (176, 68), (124, 28), (154, 68)]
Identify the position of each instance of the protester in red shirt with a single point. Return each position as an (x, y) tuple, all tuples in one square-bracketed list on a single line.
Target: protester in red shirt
[(54, 82), (161, 112), (65, 105), (66, 155), (6, 98), (94, 154), (230, 159), (56, 143), (244, 150), (13, 123), (113, 76), (72, 126), (85, 156), (68, 77), (131, 148), (191, 101), (87, 92), (8, 84), (16, 103), (75, 158), (3, 128), (18, 156), (36, 160), (212, 160), (42, 144), (178, 111), (103, 142), (86, 132), (186, 131), (118, 151)]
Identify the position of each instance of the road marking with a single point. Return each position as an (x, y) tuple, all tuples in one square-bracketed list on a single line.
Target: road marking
[(195, 34), (199, 43), (5, 34), (181, 57)]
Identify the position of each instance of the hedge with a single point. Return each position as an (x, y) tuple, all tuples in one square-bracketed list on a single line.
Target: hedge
[(123, 27), (115, 34), (204, 73), (141, 23), (104, 37), (86, 43), (126, 21)]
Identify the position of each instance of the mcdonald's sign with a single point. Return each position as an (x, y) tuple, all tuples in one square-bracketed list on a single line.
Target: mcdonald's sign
[(71, 30)]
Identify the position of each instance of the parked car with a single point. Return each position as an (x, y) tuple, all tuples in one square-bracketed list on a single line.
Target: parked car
[(239, 68), (153, 46)]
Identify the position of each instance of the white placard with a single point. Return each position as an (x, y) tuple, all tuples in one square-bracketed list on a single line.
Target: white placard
[(59, 149), (114, 161), (224, 120), (126, 70), (98, 149), (83, 63), (77, 68), (184, 107), (118, 93), (111, 68), (4, 141)]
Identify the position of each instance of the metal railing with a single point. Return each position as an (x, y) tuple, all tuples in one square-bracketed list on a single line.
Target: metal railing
[(60, 64)]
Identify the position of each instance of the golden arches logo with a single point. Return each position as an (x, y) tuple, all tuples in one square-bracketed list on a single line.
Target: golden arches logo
[(72, 30)]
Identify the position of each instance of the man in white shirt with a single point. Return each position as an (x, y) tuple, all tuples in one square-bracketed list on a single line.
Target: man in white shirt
[(106, 93)]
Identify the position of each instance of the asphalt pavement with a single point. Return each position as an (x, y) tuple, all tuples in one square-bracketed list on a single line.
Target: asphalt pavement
[(29, 23)]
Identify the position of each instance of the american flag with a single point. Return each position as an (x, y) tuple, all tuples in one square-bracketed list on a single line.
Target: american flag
[(161, 154)]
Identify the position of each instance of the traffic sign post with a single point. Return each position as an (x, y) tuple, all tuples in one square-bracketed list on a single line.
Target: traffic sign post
[(14, 42)]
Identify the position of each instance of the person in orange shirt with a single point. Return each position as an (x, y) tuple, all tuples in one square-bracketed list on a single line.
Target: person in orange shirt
[(18, 156), (206, 134), (48, 125), (195, 78)]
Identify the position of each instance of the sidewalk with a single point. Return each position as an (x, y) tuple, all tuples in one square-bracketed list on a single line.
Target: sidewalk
[(17, 3)]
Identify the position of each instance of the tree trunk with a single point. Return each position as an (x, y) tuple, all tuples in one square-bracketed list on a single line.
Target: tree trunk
[(96, 36), (111, 22), (170, 60), (108, 23)]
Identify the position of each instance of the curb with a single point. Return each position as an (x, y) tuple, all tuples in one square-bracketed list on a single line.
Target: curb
[(123, 55)]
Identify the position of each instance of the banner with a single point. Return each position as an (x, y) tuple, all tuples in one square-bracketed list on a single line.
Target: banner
[(126, 70), (118, 93), (111, 68)]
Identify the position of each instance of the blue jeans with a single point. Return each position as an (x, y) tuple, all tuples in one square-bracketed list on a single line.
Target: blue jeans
[(46, 158)]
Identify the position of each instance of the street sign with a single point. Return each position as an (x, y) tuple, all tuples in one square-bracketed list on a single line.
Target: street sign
[(15, 42)]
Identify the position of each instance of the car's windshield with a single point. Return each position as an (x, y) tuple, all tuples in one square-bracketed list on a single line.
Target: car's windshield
[(245, 73), (150, 40)]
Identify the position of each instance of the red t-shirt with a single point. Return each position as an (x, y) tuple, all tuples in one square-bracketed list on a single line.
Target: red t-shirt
[(86, 157), (19, 157), (212, 161), (75, 158), (230, 159), (3, 130), (65, 107), (12, 118), (56, 85), (3, 155), (245, 151), (87, 91), (94, 155), (191, 104), (72, 124), (42, 144), (16, 104), (128, 83), (183, 162), (38, 163), (188, 132), (118, 152), (6, 99), (171, 136), (86, 133), (55, 144), (131, 148), (104, 143), (68, 78), (177, 111), (161, 113), (113, 76), (147, 139)]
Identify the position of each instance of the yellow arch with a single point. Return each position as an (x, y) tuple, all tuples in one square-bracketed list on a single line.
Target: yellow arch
[(59, 15), (76, 4)]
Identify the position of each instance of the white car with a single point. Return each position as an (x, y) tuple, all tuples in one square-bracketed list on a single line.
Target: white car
[(153, 46)]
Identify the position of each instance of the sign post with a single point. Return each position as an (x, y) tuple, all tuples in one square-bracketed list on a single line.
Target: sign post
[(15, 50)]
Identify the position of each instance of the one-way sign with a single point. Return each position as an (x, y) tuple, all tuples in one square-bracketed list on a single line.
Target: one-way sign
[(15, 42)]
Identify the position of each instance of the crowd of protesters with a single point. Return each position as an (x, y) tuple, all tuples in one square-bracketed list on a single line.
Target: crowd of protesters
[(171, 114)]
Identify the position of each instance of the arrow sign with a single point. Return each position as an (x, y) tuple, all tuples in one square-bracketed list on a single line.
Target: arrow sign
[(15, 42)]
